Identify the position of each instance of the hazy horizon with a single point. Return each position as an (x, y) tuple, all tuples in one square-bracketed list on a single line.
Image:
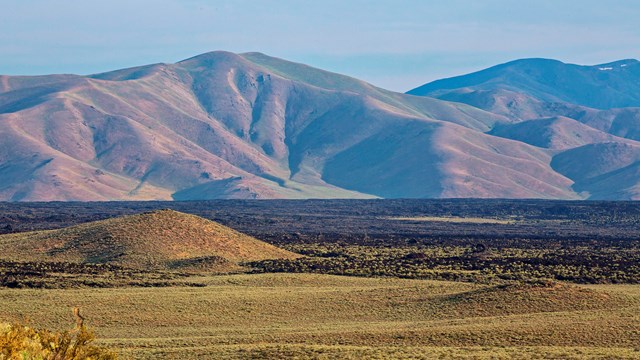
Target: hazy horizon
[(393, 45)]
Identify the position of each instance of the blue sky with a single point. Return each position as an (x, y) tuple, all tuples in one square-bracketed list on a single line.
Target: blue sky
[(393, 44)]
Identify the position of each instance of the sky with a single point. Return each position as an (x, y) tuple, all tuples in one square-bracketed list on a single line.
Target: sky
[(396, 45)]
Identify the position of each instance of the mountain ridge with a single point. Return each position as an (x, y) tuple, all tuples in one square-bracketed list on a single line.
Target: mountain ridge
[(547, 80), (225, 125)]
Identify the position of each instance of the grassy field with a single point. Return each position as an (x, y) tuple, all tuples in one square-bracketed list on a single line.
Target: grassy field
[(325, 316)]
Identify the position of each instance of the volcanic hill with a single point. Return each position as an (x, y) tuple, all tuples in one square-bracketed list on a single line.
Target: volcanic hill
[(163, 239)]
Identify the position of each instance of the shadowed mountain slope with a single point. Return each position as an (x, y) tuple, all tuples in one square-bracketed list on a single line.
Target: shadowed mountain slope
[(604, 171), (555, 133), (163, 239)]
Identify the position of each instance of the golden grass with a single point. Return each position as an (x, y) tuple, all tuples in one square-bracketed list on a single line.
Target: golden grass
[(455, 219), (301, 351), (322, 316), (163, 239)]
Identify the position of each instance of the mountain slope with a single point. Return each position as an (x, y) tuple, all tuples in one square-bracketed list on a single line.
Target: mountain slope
[(592, 109), (446, 161), (604, 171), (223, 125), (605, 97), (559, 133)]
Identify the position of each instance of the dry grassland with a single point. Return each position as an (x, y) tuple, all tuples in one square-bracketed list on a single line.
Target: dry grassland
[(323, 316)]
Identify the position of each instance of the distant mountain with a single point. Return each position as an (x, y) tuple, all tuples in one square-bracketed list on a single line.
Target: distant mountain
[(224, 125), (592, 109), (604, 86)]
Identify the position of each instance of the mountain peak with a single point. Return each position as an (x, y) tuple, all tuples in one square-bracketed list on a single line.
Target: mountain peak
[(210, 57), (551, 81), (533, 61)]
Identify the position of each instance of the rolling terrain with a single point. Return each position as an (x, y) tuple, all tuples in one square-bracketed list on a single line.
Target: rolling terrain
[(460, 239), (321, 316)]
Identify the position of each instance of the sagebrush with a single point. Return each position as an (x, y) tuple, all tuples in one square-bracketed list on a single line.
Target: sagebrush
[(21, 341)]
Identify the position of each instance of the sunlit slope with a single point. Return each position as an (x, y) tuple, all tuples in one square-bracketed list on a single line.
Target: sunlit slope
[(163, 239), (222, 125)]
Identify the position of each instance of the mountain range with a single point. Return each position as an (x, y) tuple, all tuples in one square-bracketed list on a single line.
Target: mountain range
[(224, 125)]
